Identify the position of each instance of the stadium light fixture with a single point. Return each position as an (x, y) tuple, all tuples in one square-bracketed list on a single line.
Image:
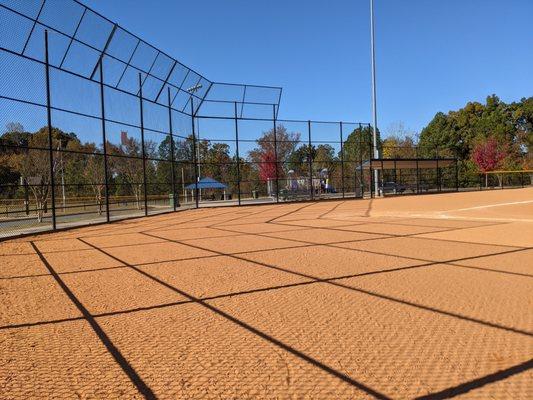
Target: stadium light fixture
[(194, 89)]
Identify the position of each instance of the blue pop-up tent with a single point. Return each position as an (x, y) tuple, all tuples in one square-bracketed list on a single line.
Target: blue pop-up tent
[(207, 183)]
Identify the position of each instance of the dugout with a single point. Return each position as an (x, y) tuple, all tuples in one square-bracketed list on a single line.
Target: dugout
[(409, 175)]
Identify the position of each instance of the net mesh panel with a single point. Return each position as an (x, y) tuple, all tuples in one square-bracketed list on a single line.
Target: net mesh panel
[(100, 78)]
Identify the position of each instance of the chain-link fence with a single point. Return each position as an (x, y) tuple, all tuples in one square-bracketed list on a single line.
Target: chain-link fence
[(99, 125)]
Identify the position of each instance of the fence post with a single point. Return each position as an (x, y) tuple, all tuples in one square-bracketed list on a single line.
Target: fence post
[(361, 169), (417, 177), (439, 178), (372, 177), (49, 121), (456, 176), (342, 161), (395, 177), (238, 157), (172, 173), (142, 145), (104, 138), (275, 152), (439, 183), (310, 161), (194, 160)]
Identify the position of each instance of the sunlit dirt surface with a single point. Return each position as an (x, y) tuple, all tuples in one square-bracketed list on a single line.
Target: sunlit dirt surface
[(406, 297)]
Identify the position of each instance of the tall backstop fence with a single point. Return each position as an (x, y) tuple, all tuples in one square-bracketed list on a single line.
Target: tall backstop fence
[(98, 125)]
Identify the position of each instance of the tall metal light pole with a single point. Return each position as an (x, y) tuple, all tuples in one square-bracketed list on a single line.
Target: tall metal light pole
[(374, 107), (191, 91)]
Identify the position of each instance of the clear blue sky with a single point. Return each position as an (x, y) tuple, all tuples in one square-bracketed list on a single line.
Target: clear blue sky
[(432, 55)]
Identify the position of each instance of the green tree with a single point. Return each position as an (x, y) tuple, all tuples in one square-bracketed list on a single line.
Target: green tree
[(457, 132), (358, 144)]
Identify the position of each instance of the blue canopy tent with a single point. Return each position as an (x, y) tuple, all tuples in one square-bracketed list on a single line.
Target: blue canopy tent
[(207, 183)]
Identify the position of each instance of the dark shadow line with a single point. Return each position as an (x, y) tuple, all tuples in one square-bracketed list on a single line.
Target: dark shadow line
[(73, 230), (304, 245), (369, 208), (384, 236), (252, 291), (239, 217), (256, 331), (321, 216), (210, 215), (16, 254), (338, 229), (451, 262), (395, 235), (444, 229), (39, 323), (107, 247), (290, 212), (221, 296), (478, 383), (336, 219), (23, 277), (374, 294), (499, 271), (394, 222), (296, 229), (130, 230), (106, 341)]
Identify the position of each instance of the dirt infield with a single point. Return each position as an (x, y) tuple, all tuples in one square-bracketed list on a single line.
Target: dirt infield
[(404, 297)]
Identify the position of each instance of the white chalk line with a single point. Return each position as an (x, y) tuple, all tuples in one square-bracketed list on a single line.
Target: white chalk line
[(489, 206)]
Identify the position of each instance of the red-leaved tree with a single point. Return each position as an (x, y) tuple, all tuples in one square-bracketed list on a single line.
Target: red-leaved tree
[(488, 156), (267, 166)]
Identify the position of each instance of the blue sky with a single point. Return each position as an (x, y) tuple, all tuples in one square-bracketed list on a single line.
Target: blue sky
[(431, 55)]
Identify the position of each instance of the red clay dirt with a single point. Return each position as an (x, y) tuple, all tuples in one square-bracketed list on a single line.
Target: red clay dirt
[(403, 297)]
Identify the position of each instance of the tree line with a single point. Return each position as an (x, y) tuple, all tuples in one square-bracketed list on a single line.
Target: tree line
[(483, 137)]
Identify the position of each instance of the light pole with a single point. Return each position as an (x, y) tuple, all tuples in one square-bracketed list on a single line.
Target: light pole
[(374, 107), (191, 91)]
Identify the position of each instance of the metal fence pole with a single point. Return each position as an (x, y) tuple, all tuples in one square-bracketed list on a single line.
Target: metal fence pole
[(310, 161), (275, 152), (456, 176), (142, 145), (361, 169), (104, 138), (194, 160), (172, 173), (417, 177), (372, 177), (49, 121), (439, 178), (238, 156), (342, 160), (439, 183), (395, 174)]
